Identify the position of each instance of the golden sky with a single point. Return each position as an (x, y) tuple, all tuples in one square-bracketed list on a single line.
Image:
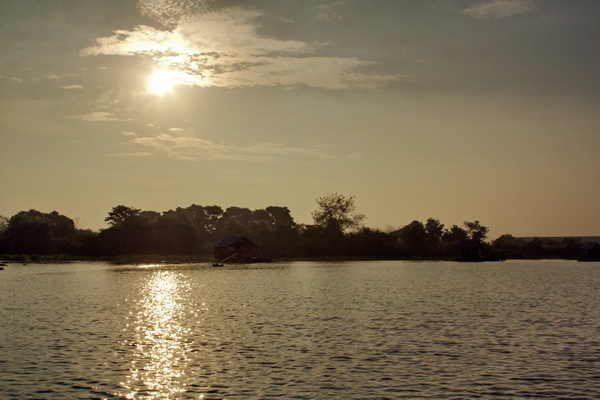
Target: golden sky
[(458, 110)]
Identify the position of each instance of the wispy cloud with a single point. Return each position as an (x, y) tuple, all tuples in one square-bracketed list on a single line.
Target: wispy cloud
[(495, 9), (132, 154), (11, 78), (72, 87), (224, 49), (169, 13), (97, 116), (197, 149), (329, 12)]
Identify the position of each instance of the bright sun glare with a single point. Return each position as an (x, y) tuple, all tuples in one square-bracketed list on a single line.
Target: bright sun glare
[(161, 81)]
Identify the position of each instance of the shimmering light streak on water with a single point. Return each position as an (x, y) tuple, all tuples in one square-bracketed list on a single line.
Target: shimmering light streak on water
[(159, 345), (357, 330)]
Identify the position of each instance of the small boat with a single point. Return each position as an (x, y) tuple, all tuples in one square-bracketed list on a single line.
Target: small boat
[(217, 264)]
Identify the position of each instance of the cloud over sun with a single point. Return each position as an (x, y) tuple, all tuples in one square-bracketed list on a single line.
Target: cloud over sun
[(223, 49)]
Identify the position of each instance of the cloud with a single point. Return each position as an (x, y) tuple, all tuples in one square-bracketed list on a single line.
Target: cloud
[(328, 12), (97, 116), (72, 87), (195, 149), (11, 78), (128, 133), (496, 9), (318, 72), (133, 154), (224, 49), (170, 12)]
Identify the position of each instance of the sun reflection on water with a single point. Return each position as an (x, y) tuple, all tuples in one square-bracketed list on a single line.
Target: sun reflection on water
[(161, 352)]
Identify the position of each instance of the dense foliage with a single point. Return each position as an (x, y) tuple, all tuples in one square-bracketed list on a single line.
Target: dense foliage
[(337, 231)]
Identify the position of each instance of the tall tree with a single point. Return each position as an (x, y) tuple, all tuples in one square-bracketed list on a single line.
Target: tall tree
[(235, 221), (119, 215), (434, 229), (337, 213), (280, 230), (476, 231), (414, 239), (452, 239)]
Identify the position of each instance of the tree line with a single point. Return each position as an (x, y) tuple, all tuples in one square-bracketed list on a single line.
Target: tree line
[(337, 231)]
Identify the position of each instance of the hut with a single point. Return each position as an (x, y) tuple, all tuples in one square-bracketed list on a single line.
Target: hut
[(589, 251), (238, 249)]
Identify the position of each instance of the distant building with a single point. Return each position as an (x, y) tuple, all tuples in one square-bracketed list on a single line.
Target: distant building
[(590, 251), (238, 249)]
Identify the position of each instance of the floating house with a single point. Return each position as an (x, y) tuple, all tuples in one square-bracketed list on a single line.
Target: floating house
[(237, 249), (590, 251)]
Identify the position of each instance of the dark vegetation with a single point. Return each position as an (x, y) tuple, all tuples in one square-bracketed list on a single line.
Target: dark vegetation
[(187, 234)]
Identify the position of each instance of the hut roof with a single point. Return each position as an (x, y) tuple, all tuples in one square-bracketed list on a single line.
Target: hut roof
[(233, 240)]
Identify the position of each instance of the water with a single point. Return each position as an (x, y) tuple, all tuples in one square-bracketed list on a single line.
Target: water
[(356, 330)]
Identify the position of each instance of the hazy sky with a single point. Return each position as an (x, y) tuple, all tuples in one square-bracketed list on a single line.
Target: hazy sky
[(459, 110)]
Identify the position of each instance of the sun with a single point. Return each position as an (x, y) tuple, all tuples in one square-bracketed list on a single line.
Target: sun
[(161, 81)]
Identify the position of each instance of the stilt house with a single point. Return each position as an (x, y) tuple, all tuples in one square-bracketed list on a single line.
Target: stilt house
[(235, 249)]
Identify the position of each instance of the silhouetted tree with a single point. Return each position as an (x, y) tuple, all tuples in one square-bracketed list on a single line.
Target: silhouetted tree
[(435, 230), (34, 232), (318, 241), (508, 245), (212, 216), (533, 248), (132, 231), (3, 224), (570, 248), (337, 213), (452, 239), (414, 239), (119, 215), (277, 233), (476, 231), (337, 231), (372, 243), (183, 231), (235, 221)]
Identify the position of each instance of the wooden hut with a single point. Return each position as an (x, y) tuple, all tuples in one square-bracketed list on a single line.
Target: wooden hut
[(236, 249)]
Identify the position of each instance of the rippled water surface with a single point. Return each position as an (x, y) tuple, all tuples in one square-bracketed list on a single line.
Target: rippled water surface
[(356, 330)]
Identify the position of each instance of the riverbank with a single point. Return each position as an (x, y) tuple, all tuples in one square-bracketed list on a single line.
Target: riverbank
[(200, 258)]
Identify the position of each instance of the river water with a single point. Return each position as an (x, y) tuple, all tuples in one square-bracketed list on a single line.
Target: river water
[(302, 330)]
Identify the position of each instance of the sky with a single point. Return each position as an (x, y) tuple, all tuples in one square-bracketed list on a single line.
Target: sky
[(458, 110)]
